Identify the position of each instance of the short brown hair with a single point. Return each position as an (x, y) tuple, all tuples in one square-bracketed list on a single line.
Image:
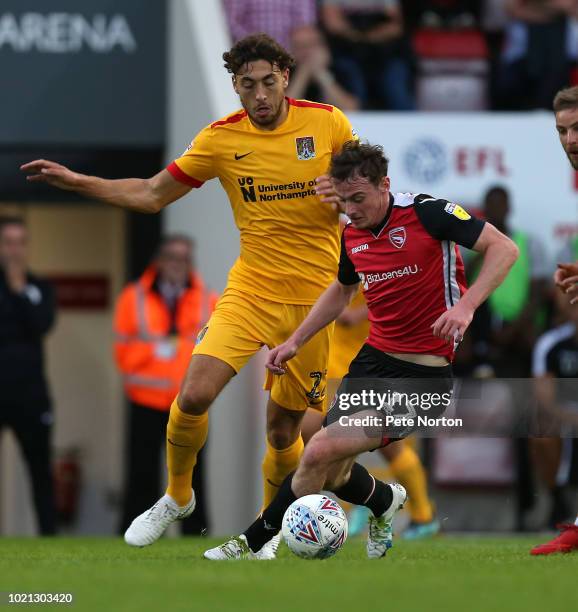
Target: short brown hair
[(257, 47), (566, 99), (359, 159), (171, 239)]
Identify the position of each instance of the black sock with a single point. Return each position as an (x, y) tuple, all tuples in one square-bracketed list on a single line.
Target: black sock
[(269, 523), (363, 489)]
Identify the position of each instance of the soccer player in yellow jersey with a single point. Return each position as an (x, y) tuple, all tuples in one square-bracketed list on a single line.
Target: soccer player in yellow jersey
[(267, 157)]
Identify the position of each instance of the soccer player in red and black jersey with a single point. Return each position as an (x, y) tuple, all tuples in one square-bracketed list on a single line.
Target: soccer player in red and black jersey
[(565, 277), (403, 249)]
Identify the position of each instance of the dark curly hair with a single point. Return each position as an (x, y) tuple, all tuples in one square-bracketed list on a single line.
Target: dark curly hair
[(257, 47), (359, 159)]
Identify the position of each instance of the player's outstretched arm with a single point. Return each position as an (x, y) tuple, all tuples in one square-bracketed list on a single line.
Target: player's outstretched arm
[(499, 254), (139, 195), (328, 307)]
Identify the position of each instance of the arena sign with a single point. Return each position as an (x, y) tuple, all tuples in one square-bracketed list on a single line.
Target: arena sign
[(88, 73), (459, 156), (65, 33)]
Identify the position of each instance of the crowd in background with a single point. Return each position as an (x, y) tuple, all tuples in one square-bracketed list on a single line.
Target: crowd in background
[(421, 54)]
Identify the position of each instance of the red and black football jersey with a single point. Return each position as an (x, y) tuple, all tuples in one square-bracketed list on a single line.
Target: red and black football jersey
[(411, 270)]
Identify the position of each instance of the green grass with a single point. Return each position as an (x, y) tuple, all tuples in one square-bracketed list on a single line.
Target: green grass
[(448, 574)]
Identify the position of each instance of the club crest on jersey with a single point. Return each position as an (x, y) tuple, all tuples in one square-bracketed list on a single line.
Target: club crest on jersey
[(305, 147), (457, 211), (397, 236)]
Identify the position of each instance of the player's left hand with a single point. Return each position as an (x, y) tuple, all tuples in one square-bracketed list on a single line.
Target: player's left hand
[(326, 192), (278, 356), (453, 323)]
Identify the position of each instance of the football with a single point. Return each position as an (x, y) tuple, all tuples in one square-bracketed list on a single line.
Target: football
[(314, 527)]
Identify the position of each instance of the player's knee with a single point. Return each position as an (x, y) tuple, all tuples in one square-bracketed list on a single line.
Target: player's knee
[(280, 437), (283, 427), (316, 454), (196, 398)]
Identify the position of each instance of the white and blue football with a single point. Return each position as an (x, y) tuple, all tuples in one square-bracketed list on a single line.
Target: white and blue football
[(314, 527)]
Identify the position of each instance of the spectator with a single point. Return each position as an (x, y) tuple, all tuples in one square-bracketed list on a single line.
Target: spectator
[(516, 308), (515, 317), (278, 18), (537, 53), (26, 315), (157, 319), (555, 357), (313, 78), (371, 54)]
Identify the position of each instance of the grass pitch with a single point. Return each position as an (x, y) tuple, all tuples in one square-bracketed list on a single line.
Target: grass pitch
[(449, 574)]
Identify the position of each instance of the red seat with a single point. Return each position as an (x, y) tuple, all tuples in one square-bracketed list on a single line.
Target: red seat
[(450, 44)]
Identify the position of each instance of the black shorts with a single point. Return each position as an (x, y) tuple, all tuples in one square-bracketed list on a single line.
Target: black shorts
[(398, 394)]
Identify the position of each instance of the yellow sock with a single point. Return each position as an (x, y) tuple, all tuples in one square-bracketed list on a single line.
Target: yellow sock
[(276, 465), (186, 435), (408, 471)]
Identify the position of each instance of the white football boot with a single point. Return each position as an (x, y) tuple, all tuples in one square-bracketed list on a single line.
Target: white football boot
[(379, 538), (149, 526), (269, 551), (237, 548)]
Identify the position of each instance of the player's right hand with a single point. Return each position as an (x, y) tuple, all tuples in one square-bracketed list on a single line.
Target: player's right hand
[(326, 192), (278, 356), (566, 278), (57, 175), (564, 271)]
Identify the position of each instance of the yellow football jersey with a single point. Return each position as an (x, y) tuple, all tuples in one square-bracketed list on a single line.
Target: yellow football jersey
[(289, 237)]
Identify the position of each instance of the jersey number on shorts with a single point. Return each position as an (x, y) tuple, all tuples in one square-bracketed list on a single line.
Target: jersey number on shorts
[(315, 394)]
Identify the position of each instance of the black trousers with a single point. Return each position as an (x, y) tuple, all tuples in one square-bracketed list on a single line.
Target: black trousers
[(145, 440), (32, 426)]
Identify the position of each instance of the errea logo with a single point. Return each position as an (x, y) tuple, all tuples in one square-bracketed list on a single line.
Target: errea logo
[(361, 247)]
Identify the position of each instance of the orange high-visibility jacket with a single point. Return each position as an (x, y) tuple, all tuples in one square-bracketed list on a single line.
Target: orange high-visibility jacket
[(142, 322)]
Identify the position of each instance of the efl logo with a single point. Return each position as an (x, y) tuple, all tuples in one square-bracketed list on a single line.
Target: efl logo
[(397, 237), (457, 211)]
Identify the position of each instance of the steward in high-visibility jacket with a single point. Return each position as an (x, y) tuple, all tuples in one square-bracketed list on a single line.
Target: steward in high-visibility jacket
[(154, 340)]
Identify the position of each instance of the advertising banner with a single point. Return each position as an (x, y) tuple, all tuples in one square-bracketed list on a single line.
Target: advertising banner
[(88, 73), (460, 156)]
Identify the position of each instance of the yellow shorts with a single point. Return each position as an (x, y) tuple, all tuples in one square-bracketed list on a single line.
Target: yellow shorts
[(242, 324), (347, 342)]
